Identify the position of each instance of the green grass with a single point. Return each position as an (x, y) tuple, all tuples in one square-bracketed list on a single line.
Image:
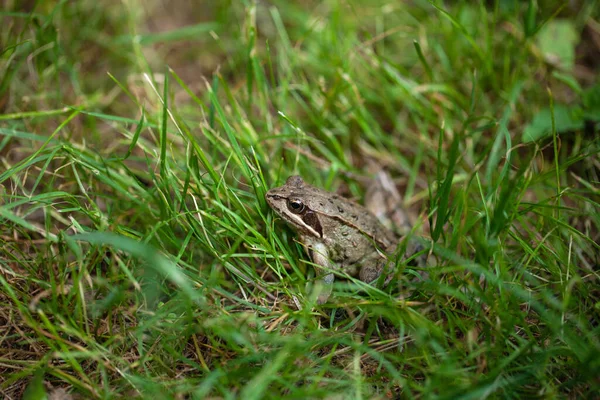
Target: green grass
[(139, 257)]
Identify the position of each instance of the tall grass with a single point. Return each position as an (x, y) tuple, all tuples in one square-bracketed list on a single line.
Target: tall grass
[(139, 257)]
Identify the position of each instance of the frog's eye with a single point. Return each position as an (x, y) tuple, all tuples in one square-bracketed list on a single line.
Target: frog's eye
[(295, 206)]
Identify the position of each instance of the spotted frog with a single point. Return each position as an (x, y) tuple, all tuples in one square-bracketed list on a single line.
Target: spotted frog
[(337, 233)]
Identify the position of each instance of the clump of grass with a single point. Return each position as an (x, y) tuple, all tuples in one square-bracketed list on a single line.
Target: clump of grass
[(139, 257)]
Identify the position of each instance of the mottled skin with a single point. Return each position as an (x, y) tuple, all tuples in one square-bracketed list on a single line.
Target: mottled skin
[(336, 232)]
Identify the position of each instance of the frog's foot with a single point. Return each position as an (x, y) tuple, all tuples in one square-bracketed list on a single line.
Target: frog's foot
[(323, 288)]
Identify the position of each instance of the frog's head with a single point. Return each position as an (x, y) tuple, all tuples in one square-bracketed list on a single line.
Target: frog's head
[(292, 203)]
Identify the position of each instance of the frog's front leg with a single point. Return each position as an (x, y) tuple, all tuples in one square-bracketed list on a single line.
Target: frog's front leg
[(324, 285)]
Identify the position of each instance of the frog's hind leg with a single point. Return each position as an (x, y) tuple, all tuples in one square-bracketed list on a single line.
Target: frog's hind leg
[(371, 271), (385, 202)]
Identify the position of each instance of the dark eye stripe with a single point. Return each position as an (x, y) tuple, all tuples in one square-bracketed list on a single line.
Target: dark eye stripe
[(311, 219)]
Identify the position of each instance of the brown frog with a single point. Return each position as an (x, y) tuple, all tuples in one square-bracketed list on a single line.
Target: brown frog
[(338, 234)]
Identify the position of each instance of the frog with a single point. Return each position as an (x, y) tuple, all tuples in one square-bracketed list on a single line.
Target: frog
[(338, 234)]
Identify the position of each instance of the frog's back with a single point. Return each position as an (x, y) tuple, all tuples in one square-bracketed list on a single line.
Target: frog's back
[(350, 214)]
